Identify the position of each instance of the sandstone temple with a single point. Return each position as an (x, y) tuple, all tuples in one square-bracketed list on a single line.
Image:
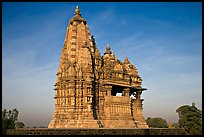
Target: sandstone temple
[(87, 83)]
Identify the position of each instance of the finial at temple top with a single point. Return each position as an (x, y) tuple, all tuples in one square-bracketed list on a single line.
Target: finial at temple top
[(77, 16), (77, 11)]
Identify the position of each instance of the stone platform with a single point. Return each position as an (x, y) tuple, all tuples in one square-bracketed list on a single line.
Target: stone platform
[(92, 131)]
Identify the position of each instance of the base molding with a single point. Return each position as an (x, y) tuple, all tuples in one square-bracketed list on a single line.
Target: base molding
[(94, 131)]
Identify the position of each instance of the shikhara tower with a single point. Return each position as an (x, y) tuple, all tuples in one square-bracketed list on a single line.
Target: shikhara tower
[(87, 84)]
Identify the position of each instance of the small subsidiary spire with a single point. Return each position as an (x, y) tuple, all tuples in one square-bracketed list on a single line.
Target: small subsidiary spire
[(108, 49), (126, 61)]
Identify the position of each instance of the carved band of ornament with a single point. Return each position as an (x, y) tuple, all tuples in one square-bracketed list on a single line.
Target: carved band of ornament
[(73, 56), (127, 89), (68, 96), (73, 43), (74, 36), (74, 29), (73, 49)]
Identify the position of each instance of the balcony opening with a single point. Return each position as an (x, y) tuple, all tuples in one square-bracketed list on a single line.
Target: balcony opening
[(116, 90)]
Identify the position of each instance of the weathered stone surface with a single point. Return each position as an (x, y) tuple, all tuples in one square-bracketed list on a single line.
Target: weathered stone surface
[(87, 84), (98, 131)]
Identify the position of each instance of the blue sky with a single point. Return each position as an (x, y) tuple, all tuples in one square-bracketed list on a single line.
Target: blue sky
[(163, 41)]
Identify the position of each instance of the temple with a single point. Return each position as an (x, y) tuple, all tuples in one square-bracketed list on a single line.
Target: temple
[(87, 85)]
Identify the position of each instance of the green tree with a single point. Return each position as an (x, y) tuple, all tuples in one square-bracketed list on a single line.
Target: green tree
[(157, 122), (10, 119), (190, 118)]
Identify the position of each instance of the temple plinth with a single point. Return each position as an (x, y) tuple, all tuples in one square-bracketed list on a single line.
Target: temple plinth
[(87, 85)]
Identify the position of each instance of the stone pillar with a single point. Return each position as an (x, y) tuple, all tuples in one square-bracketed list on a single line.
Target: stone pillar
[(108, 89), (137, 110), (126, 92), (138, 99)]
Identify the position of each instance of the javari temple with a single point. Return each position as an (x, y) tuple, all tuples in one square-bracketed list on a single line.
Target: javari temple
[(87, 84)]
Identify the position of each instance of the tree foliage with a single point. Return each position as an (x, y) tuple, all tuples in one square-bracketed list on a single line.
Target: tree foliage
[(10, 119), (190, 118), (156, 122)]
